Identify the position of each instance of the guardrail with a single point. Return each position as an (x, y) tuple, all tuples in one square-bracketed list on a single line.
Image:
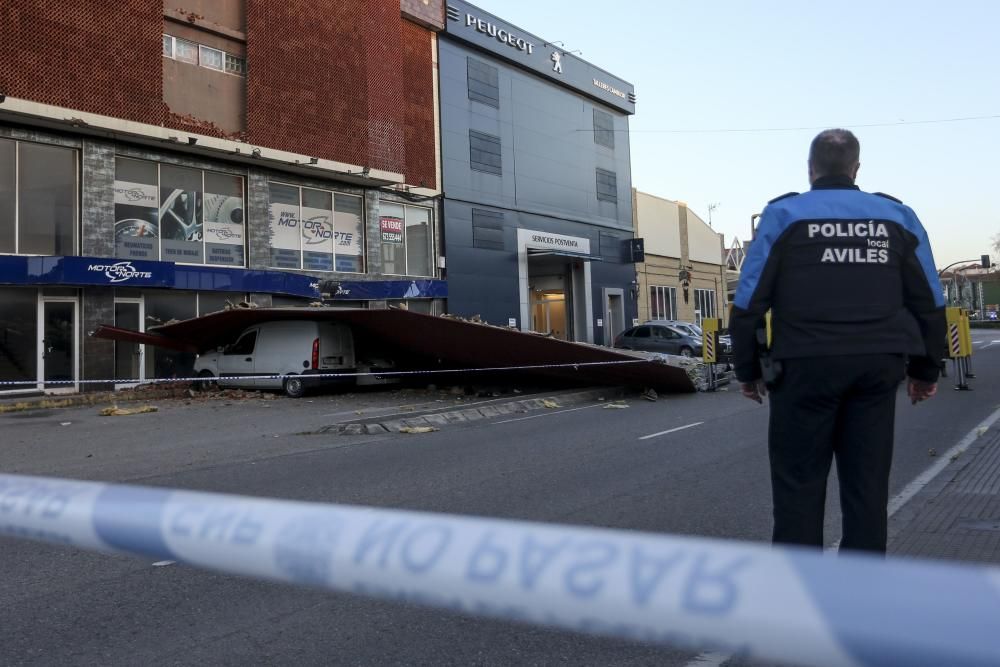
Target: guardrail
[(789, 605)]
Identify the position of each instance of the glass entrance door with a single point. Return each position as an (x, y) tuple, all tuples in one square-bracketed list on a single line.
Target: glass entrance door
[(129, 368), (58, 345)]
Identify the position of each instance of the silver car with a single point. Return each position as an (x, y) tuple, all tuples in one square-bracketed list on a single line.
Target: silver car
[(659, 338)]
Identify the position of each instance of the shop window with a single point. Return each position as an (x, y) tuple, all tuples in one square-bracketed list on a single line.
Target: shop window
[(18, 336), (484, 153), (484, 83), (38, 198), (704, 300), (316, 230), (213, 302), (662, 303), (178, 214), (163, 307), (607, 186), (406, 239), (604, 128), (168, 46)]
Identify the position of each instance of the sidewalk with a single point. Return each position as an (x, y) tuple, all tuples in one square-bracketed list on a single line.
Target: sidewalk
[(957, 515)]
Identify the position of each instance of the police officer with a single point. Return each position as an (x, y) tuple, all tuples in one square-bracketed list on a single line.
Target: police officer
[(855, 305)]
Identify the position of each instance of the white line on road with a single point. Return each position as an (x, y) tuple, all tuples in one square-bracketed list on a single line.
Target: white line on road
[(548, 414), (673, 430), (709, 660), (897, 503)]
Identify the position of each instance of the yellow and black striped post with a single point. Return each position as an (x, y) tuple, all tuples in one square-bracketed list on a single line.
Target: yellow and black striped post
[(958, 345)]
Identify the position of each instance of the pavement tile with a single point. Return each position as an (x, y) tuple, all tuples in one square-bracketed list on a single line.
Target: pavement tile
[(957, 515)]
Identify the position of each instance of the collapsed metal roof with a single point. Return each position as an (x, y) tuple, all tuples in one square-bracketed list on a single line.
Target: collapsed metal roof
[(443, 341)]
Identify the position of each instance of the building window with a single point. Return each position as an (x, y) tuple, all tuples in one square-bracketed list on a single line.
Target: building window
[(487, 229), (38, 198), (235, 65), (484, 83), (607, 186), (185, 51), (662, 303), (484, 153), (406, 239), (178, 214), (604, 128), (704, 303), (206, 56), (316, 230), (211, 58)]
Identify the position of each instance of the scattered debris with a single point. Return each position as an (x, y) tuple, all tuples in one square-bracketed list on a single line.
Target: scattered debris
[(163, 563), (650, 395), (65, 423), (932, 452), (980, 431), (954, 457), (418, 429), (115, 411), (550, 404), (615, 406)]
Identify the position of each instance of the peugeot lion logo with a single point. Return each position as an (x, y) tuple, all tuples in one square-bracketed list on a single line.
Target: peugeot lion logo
[(556, 58)]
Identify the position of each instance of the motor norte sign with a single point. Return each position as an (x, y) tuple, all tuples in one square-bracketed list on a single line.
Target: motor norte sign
[(120, 272)]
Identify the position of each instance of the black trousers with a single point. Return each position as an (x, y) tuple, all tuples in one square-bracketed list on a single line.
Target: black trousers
[(826, 407)]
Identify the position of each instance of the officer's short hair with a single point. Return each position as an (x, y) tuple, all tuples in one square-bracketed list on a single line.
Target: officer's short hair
[(834, 152)]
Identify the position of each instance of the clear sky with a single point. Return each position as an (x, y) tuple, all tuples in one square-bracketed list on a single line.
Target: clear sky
[(701, 67)]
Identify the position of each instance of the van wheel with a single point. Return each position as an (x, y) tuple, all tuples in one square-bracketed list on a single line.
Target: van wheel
[(294, 387), (206, 384), (687, 352)]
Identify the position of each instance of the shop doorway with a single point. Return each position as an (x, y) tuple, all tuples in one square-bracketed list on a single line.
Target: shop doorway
[(614, 314), (548, 313), (58, 330), (129, 366)]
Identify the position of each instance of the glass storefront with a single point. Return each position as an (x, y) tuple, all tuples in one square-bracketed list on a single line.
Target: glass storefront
[(406, 239), (178, 214), (18, 336), (38, 198), (315, 230)]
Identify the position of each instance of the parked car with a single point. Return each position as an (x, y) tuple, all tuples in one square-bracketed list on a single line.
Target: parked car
[(298, 349), (695, 331), (659, 338)]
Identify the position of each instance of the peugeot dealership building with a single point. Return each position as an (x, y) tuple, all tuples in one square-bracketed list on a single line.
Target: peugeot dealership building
[(537, 217)]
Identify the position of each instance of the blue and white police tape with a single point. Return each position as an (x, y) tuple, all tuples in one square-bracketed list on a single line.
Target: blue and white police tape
[(354, 374), (789, 605)]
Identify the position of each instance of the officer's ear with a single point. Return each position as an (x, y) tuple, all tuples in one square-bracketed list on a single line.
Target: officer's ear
[(854, 172), (812, 173)]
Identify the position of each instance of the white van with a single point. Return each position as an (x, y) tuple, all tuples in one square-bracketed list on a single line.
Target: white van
[(297, 349)]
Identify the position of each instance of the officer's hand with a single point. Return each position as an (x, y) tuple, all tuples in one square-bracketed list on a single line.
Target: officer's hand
[(919, 390), (755, 391)]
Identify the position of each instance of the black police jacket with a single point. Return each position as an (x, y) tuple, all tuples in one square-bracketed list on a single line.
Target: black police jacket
[(844, 272)]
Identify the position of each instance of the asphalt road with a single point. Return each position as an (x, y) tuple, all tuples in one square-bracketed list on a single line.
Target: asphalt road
[(586, 465)]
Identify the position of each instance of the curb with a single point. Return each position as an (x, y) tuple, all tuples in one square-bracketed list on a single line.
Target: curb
[(437, 419)]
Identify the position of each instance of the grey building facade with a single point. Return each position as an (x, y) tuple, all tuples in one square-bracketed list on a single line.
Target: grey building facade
[(537, 215)]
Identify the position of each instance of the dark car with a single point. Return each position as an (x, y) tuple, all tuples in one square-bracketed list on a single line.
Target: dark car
[(659, 338)]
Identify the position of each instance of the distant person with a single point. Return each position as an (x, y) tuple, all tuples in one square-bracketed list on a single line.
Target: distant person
[(855, 305)]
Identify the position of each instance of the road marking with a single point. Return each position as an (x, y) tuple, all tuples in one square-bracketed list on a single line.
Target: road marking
[(548, 414), (673, 430), (897, 502), (709, 660)]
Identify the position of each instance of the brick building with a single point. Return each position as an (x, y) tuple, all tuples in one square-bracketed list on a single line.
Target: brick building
[(159, 158)]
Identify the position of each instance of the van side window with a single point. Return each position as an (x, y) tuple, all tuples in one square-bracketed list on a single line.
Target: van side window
[(244, 345)]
